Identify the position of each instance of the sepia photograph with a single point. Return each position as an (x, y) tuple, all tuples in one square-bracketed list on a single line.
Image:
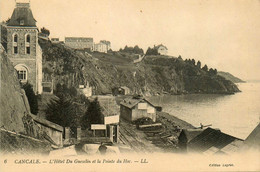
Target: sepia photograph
[(129, 85)]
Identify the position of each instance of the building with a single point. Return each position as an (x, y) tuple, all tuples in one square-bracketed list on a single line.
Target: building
[(121, 91), (86, 90), (55, 40), (186, 136), (108, 43), (22, 46), (135, 108), (79, 43), (212, 141), (110, 128), (125, 90), (161, 49), (100, 47), (50, 131), (103, 46)]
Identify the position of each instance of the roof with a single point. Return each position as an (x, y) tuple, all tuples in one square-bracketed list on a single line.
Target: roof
[(161, 45), (131, 102), (47, 123), (232, 147), (125, 88), (22, 13), (105, 42), (211, 151), (253, 140), (78, 38), (191, 133), (209, 138)]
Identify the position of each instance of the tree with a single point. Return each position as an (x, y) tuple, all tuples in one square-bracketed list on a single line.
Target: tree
[(61, 111), (193, 62), (32, 98), (199, 64), (205, 68), (138, 50), (179, 57), (213, 71), (93, 115), (152, 51), (45, 31)]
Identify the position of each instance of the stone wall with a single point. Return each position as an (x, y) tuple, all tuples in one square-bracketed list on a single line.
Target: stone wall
[(33, 61)]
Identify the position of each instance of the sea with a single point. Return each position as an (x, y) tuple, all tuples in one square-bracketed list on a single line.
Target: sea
[(236, 114)]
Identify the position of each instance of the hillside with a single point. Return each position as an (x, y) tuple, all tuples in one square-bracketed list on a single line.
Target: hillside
[(154, 75), (230, 77)]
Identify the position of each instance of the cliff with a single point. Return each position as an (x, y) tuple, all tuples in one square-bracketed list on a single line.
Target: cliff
[(12, 106), (230, 77), (15, 136), (154, 75)]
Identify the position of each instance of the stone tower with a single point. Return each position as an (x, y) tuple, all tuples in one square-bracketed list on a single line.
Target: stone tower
[(22, 46)]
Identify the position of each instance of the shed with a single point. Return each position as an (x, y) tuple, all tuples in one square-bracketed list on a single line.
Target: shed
[(186, 136), (52, 132), (125, 90), (135, 108)]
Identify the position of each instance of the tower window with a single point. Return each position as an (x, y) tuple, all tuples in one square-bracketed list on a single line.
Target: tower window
[(22, 72), (22, 75), (21, 22), (28, 39), (28, 50), (15, 38), (27, 44), (15, 50)]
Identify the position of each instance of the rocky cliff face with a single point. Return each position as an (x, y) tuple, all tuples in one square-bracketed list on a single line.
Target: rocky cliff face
[(154, 75), (15, 115), (12, 106)]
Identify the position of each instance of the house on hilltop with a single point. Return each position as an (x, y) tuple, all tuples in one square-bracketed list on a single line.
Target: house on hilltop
[(100, 47), (135, 108), (79, 43), (161, 49), (108, 44), (103, 46)]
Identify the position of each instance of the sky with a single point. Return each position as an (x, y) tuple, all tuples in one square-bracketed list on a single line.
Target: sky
[(224, 34)]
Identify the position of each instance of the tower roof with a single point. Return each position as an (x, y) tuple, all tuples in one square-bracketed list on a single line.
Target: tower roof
[(22, 16)]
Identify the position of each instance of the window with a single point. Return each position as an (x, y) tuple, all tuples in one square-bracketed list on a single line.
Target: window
[(22, 72), (28, 50), (21, 22), (22, 75), (15, 50), (15, 38), (27, 44), (28, 39)]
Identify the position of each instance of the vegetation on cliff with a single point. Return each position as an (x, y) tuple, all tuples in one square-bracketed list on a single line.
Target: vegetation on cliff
[(230, 77), (154, 75), (32, 98)]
